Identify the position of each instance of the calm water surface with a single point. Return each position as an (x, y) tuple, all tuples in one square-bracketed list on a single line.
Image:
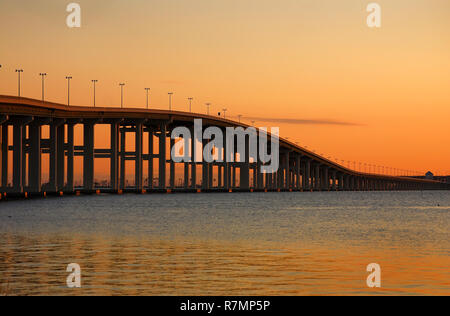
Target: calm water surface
[(228, 244)]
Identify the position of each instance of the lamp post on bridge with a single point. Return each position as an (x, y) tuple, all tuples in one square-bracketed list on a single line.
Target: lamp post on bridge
[(19, 71), (239, 118), (170, 100), (224, 113), (94, 82), (147, 92), (121, 94), (68, 89), (208, 105), (190, 104), (43, 75)]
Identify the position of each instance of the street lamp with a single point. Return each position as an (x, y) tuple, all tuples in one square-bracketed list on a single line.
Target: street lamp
[(147, 91), (121, 94), (239, 117), (94, 82), (224, 113), (43, 75), (208, 105), (190, 104), (68, 89), (170, 100), (19, 71)]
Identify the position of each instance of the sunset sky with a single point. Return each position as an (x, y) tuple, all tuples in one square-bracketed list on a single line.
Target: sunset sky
[(381, 96)]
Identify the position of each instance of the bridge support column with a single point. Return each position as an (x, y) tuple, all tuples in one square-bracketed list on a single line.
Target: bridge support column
[(193, 159), (226, 166), (60, 157), (4, 158), (172, 165), (88, 162), (186, 175), (162, 157), (114, 156), (334, 176), (34, 170), (317, 178), (151, 153), (138, 159), (205, 168), (187, 165), (17, 157), (122, 156), (347, 183), (341, 182), (326, 179), (298, 172), (287, 171), (307, 181), (70, 157), (53, 158), (210, 175), (244, 173)]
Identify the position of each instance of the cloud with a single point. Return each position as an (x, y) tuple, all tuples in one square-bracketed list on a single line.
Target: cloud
[(300, 121)]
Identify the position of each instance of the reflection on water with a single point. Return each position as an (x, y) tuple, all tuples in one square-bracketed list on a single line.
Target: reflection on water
[(220, 244)]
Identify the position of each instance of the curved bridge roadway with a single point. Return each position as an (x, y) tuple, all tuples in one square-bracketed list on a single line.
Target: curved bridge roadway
[(21, 176)]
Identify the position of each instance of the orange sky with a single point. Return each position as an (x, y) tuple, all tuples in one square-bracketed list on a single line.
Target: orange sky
[(287, 59)]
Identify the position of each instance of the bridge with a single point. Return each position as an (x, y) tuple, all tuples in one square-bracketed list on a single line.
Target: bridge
[(300, 169)]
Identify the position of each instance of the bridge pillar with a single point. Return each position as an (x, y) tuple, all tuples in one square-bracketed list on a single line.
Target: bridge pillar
[(219, 174), (60, 157), (210, 175), (114, 156), (341, 182), (347, 183), (4, 158), (205, 169), (17, 157), (88, 159), (334, 176), (326, 179), (260, 176), (162, 156), (172, 165), (70, 157), (317, 178), (34, 170), (298, 172), (193, 159), (151, 155), (287, 171), (138, 175), (307, 185), (186, 168), (186, 175), (244, 173), (51, 187), (122, 156)]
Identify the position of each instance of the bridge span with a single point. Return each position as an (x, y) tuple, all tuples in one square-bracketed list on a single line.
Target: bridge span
[(300, 169)]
